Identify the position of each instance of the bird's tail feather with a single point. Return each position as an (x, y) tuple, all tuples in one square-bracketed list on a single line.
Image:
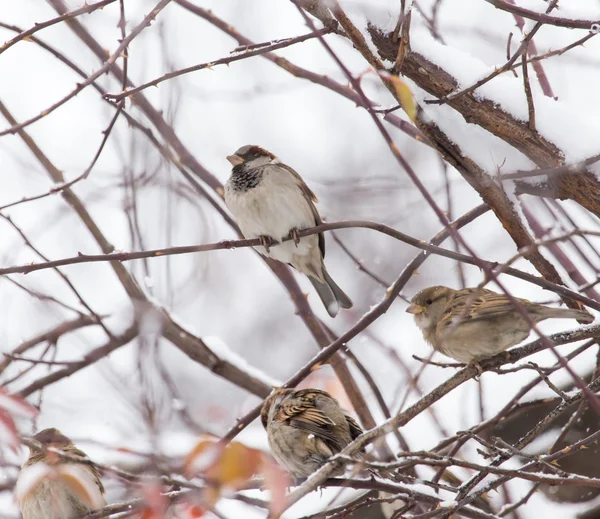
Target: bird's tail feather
[(332, 296), (327, 296), (340, 295), (568, 313)]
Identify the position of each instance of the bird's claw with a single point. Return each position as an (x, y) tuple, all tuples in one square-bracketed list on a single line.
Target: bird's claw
[(294, 236), (267, 242), (475, 364)]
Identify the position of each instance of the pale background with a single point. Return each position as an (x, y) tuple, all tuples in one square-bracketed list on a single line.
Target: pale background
[(230, 295)]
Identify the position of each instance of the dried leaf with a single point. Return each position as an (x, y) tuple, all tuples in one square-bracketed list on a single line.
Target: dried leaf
[(226, 469), (236, 465), (203, 455), (403, 94)]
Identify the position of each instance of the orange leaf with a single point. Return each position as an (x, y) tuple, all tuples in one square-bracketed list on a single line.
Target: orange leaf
[(225, 468), (203, 455), (235, 467)]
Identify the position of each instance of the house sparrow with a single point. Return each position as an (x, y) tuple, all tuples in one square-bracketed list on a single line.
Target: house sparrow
[(270, 201), (320, 10), (51, 487), (475, 323), (305, 428)]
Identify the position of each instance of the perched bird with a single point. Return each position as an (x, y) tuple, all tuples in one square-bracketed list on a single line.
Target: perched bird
[(305, 428), (52, 487), (270, 201), (319, 9), (475, 323)]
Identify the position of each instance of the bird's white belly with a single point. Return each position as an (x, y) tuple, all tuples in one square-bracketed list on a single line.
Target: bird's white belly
[(472, 341), (50, 500), (266, 211), (64, 493)]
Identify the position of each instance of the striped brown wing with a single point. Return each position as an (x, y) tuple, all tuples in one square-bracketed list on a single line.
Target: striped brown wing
[(479, 304), (299, 411)]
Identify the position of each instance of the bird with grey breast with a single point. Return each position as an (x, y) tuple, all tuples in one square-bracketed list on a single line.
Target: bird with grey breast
[(475, 323), (270, 201), (53, 487), (305, 427)]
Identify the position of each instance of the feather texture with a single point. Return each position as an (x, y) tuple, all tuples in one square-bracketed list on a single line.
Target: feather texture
[(475, 323)]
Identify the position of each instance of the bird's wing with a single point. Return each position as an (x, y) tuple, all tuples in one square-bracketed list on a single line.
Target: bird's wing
[(94, 470), (84, 485), (300, 411), (355, 429), (474, 304), (311, 199)]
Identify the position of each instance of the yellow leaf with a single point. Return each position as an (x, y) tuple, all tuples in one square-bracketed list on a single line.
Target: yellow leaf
[(403, 94), (202, 456), (227, 467), (236, 465)]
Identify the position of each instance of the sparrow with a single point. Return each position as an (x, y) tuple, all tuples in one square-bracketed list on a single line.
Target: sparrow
[(52, 487), (305, 428), (319, 9), (476, 323), (270, 201)]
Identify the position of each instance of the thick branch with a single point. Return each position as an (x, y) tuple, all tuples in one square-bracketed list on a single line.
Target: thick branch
[(583, 188)]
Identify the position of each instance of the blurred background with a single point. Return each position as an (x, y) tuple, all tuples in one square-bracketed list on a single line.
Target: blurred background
[(147, 397)]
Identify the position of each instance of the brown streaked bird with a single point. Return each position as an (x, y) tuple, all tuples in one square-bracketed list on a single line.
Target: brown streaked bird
[(270, 201), (476, 323), (52, 487), (305, 427)]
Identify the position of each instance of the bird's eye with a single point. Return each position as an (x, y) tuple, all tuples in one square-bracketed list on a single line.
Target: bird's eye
[(428, 302)]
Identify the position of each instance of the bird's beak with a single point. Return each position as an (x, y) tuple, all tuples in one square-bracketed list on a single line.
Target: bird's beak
[(414, 308), (235, 160)]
